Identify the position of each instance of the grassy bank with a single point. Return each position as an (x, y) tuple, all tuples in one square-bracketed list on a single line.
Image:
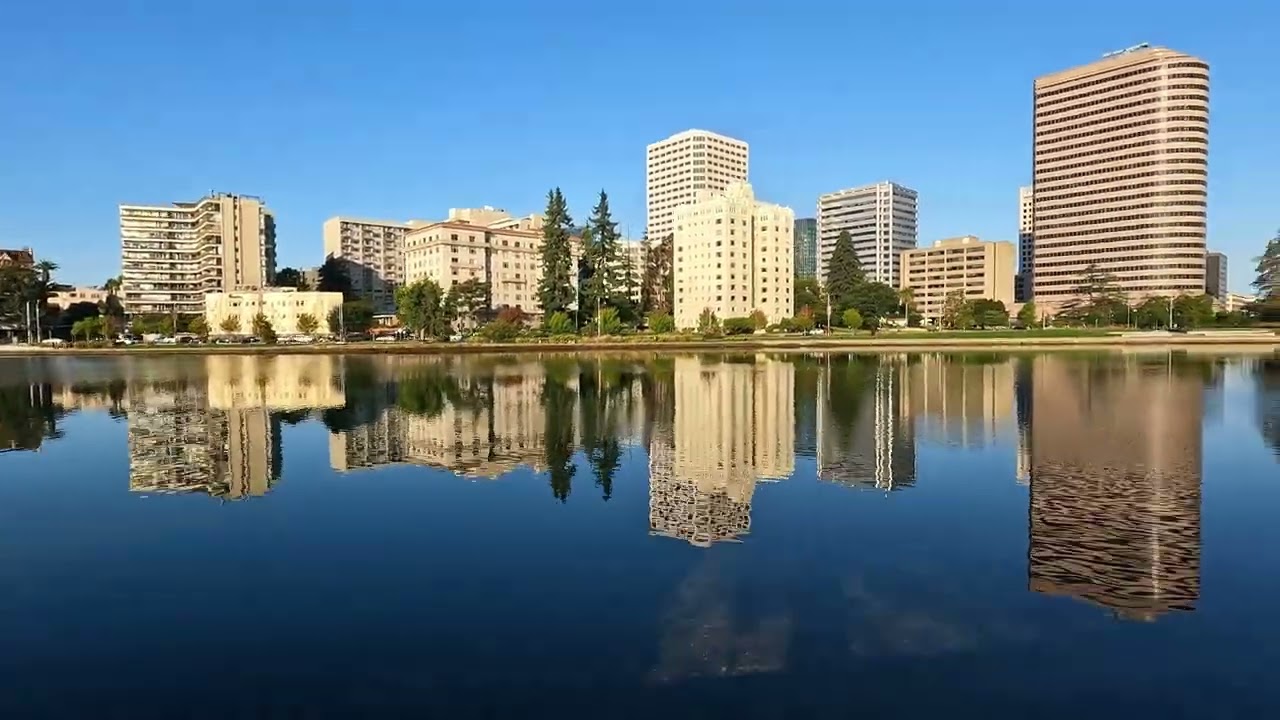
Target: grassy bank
[(1007, 340)]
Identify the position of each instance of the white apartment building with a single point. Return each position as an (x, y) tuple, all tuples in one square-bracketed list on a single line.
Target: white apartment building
[(684, 164), (372, 251), (1025, 285), (282, 307), (881, 220), (637, 254), (733, 255), (502, 254), (171, 255)]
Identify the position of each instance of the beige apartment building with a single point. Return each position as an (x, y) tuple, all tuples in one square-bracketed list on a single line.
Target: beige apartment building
[(283, 307), (1120, 174), (733, 255), (64, 299), (506, 253), (680, 166), (372, 251), (980, 269), (172, 255)]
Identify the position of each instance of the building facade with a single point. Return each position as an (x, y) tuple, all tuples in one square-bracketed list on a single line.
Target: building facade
[(1120, 163), (1024, 286), (282, 307), (683, 164), (64, 299), (23, 258), (1215, 275), (733, 255), (979, 269), (372, 252), (881, 221), (172, 255), (806, 235)]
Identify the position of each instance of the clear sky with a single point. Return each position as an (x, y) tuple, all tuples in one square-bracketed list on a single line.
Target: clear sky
[(402, 108)]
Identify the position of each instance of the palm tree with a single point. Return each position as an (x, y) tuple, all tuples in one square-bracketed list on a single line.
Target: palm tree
[(46, 269), (907, 297)]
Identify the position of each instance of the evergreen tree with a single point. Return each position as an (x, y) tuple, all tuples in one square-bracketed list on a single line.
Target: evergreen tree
[(555, 289), (1268, 280), (844, 273), (604, 286)]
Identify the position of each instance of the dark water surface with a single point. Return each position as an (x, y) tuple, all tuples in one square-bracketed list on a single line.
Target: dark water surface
[(702, 536)]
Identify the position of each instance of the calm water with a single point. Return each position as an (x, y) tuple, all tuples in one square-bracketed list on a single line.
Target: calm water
[(1049, 535)]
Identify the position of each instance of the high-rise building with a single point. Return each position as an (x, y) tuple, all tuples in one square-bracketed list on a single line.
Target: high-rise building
[(171, 255), (372, 252), (1024, 286), (1215, 275), (683, 164), (733, 255), (977, 268), (1119, 175), (881, 221), (806, 235)]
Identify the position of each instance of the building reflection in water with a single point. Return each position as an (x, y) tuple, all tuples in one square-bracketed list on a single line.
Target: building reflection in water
[(1267, 374), (959, 400), (865, 437), (218, 431), (733, 424), (1115, 462)]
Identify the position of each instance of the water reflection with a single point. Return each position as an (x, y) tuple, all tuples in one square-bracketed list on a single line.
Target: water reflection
[(1110, 445)]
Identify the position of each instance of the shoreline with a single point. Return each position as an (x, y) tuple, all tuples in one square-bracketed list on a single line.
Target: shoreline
[(1250, 342)]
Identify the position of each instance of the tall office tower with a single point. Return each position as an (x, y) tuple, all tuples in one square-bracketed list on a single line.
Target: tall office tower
[(171, 255), (1115, 476), (373, 253), (1215, 275), (806, 234), (683, 164), (1024, 286), (1120, 175), (733, 255), (881, 220)]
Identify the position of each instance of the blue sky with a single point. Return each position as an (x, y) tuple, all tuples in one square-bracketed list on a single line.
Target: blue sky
[(400, 109)]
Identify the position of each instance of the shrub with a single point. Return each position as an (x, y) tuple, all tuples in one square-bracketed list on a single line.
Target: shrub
[(500, 331), (608, 322), (660, 322), (852, 319), (511, 315), (708, 323), (804, 321), (263, 329), (758, 320), (739, 326), (559, 324)]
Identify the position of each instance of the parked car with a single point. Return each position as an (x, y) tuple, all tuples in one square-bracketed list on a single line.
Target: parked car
[(386, 338)]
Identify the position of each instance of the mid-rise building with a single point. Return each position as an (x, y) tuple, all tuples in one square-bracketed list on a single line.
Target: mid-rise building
[(637, 257), (372, 252), (1120, 175), (733, 255), (683, 164), (64, 299), (17, 258), (172, 255), (503, 254), (233, 313), (806, 260), (1237, 301), (977, 268), (881, 221), (1024, 286), (1215, 276)]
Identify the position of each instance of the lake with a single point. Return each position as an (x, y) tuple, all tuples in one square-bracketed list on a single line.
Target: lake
[(718, 535)]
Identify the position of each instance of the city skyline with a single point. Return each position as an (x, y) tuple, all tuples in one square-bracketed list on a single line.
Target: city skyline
[(792, 161)]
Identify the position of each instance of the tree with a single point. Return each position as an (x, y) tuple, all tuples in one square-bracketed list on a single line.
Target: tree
[(907, 297), (291, 277), (844, 273), (989, 313), (1268, 269), (513, 315), (230, 324), (424, 309), (333, 277), (852, 319), (86, 328), (804, 321), (954, 310), (600, 255), (758, 320), (559, 324), (1152, 313), (657, 292), (308, 324), (1027, 315), (872, 300), (661, 322), (708, 323), (263, 330), (807, 293), (555, 289), (608, 322), (199, 326), (355, 315), (471, 300), (1193, 311), (1097, 300)]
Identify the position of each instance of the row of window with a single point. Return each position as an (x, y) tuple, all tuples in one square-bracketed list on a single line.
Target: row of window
[(1140, 72), (1161, 102)]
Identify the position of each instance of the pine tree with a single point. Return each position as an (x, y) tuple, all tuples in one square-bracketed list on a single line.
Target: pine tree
[(844, 273), (1268, 269), (604, 286), (555, 289)]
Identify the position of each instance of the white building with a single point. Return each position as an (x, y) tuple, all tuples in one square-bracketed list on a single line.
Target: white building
[(733, 255), (881, 221), (683, 164), (372, 252), (233, 313)]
